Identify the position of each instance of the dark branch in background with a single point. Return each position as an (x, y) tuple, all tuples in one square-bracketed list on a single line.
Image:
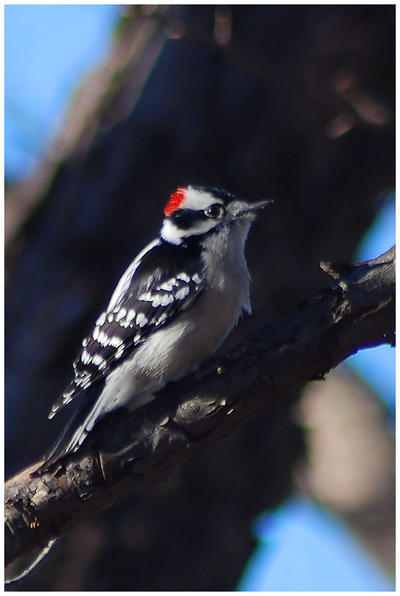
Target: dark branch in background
[(127, 450)]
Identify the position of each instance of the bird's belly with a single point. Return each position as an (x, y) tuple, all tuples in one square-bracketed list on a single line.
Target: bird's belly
[(171, 353), (181, 347)]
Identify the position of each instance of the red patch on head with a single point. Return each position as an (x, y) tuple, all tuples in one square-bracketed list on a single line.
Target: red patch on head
[(175, 201)]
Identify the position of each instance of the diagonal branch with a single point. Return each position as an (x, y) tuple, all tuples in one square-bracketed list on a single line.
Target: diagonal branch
[(141, 448)]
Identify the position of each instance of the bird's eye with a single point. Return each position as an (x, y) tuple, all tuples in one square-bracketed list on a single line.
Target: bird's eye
[(215, 211)]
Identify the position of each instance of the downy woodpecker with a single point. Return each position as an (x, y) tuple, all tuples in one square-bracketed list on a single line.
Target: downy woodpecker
[(172, 308)]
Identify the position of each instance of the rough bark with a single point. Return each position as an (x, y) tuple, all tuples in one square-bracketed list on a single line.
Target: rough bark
[(141, 448)]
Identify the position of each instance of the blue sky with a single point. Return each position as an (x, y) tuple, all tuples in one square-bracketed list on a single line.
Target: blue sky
[(302, 547), (48, 49)]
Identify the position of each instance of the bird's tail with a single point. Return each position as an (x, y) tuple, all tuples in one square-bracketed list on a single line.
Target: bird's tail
[(74, 433)]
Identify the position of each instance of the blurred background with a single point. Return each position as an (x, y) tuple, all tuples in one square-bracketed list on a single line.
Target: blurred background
[(108, 109)]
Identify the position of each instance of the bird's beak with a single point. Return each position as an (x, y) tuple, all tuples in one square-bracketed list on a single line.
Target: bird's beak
[(242, 209)]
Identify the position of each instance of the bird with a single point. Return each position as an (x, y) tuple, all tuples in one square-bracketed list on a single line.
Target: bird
[(172, 308)]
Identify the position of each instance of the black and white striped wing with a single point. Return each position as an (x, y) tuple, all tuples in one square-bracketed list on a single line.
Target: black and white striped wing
[(144, 301)]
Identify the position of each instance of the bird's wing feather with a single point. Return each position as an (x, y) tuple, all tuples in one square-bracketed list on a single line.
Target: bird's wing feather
[(143, 304)]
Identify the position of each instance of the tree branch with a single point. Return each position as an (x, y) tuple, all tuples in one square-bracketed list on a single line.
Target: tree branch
[(129, 449)]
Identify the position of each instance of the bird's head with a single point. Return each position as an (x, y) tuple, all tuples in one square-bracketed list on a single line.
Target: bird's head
[(194, 211)]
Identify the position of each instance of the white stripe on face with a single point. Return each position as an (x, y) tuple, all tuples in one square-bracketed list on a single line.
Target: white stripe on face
[(198, 199), (171, 233)]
